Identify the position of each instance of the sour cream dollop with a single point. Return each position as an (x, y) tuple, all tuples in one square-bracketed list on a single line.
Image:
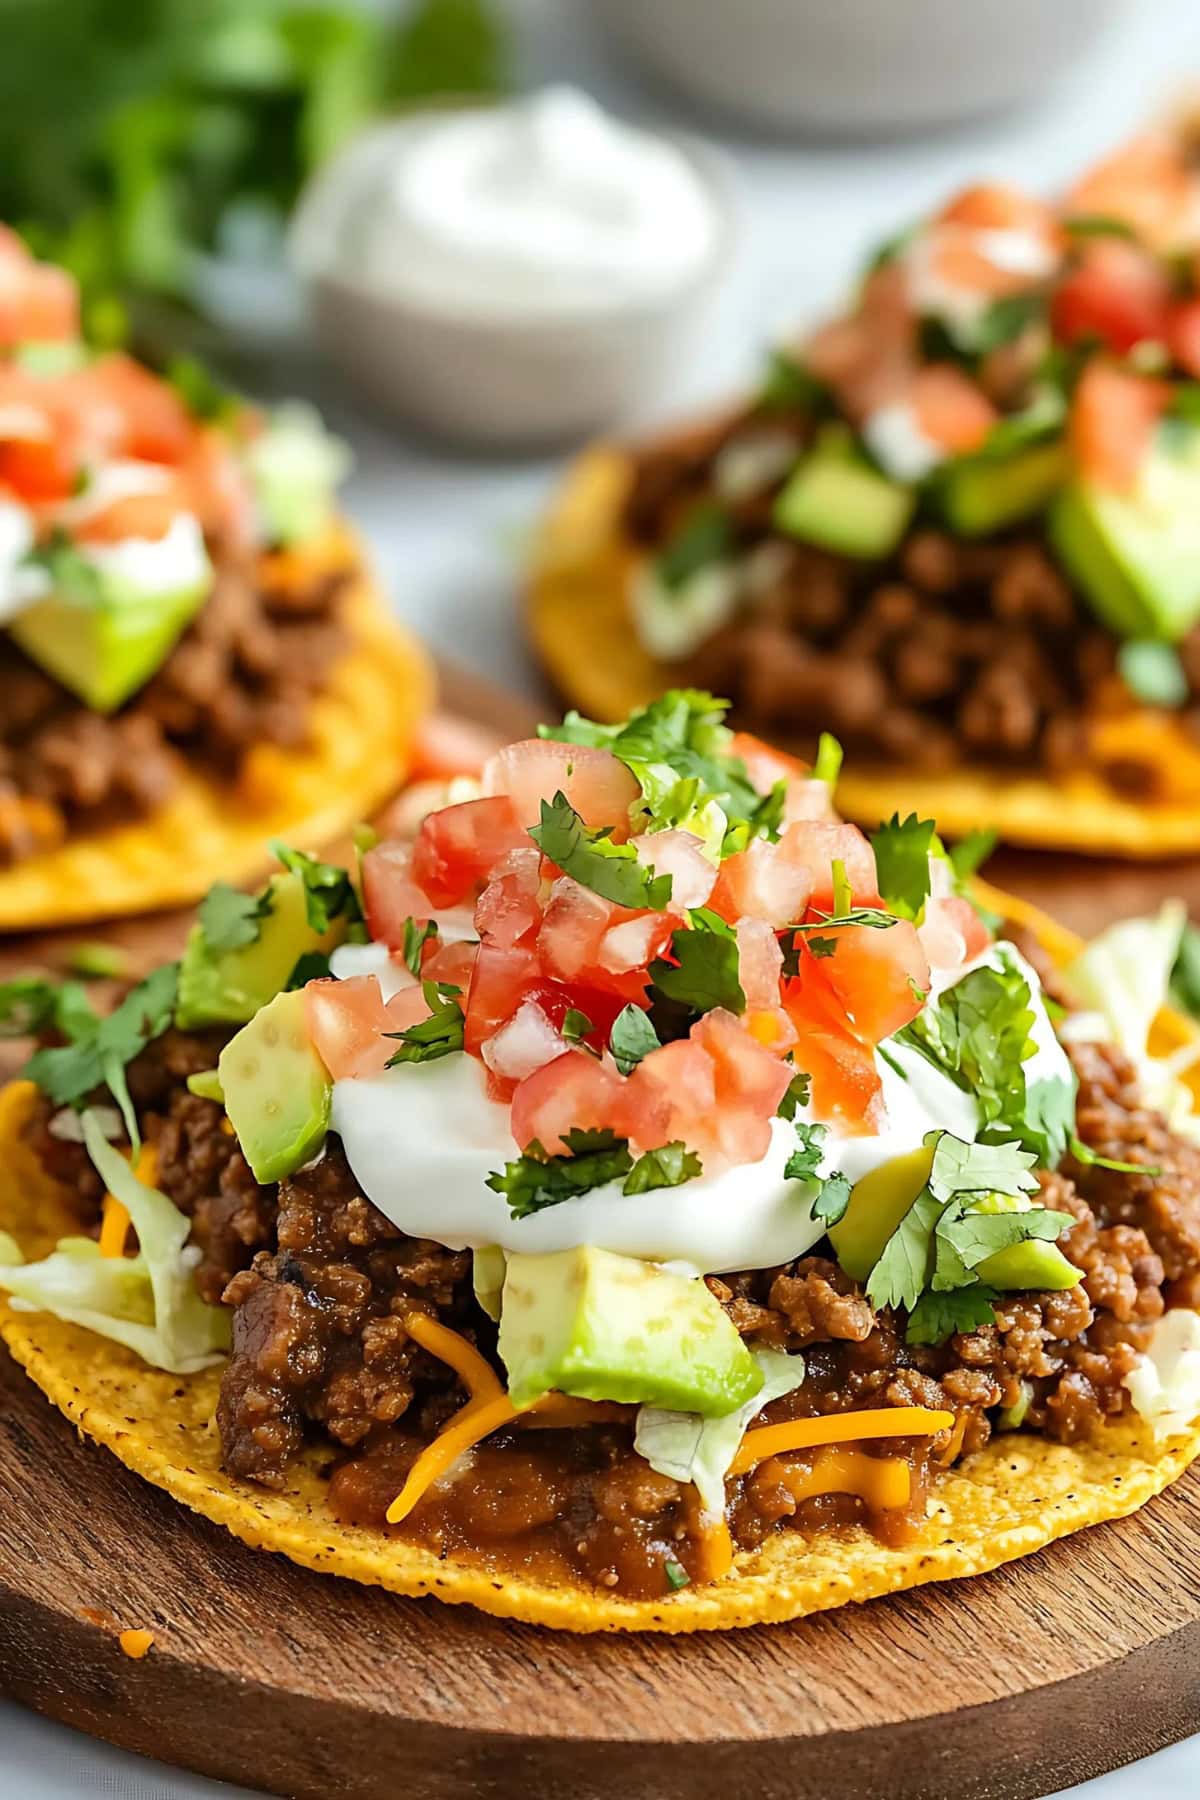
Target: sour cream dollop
[(544, 204), (422, 1140)]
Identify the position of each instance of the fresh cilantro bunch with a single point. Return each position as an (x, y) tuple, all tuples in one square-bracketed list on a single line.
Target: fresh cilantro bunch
[(973, 1205), (679, 750), (537, 1180)]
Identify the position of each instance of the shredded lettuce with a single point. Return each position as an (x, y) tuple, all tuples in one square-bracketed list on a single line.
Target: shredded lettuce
[(687, 1447), (1123, 977), (147, 1302)]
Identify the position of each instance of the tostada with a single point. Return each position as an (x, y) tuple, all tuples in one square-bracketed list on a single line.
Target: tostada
[(639, 1200), (192, 656), (957, 526)]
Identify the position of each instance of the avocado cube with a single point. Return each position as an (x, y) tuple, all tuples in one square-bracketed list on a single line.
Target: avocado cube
[(1035, 1265), (277, 1091), (604, 1327), (228, 986), (878, 1202), (837, 500), (978, 494), (106, 645)]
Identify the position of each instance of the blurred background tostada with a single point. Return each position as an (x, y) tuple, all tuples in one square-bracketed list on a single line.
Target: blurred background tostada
[(640, 1199)]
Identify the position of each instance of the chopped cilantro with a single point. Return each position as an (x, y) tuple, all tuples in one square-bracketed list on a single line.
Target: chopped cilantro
[(936, 1317), (441, 1034), (828, 765), (101, 1049), (970, 853), (805, 1160), (592, 859), (831, 1203), (817, 943), (822, 946), (328, 890), (963, 1168), (1083, 1153), (704, 974), (676, 1575), (576, 1025), (202, 394), (964, 1238), (902, 1272), (230, 919), (312, 966), (535, 1181), (417, 934), (71, 574), (667, 1167), (1097, 225), (29, 1006), (902, 848), (632, 1037), (795, 1096), (706, 536), (788, 386)]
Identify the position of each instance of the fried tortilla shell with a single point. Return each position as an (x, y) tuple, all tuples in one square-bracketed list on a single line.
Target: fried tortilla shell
[(579, 623), (362, 725)]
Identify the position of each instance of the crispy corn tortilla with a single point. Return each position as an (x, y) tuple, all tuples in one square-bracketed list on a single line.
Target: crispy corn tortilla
[(361, 729), (1018, 1494), (580, 626)]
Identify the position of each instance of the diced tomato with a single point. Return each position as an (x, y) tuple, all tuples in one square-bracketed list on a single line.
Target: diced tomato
[(575, 1091), (1117, 292), (880, 977), (500, 980), (765, 882), (671, 1097), (347, 1021), (633, 942), (868, 358), (999, 206), (760, 962), (446, 746), (751, 1081), (124, 409), (598, 786), (390, 894), (679, 854), (510, 906), (523, 1043), (1183, 336), (818, 844), (950, 409), (1148, 183), (457, 847), (845, 1087), (218, 487), (574, 944), (453, 964), (38, 469), (38, 303), (1113, 419), (806, 798), (952, 933)]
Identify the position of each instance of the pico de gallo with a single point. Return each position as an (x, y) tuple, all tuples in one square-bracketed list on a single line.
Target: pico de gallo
[(957, 524), (170, 583), (630, 1162)]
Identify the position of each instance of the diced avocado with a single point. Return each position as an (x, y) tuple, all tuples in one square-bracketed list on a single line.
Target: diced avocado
[(1136, 555), (105, 650), (294, 467), (229, 986), (837, 500), (877, 1204), (487, 1277), (606, 1327), (980, 494), (1035, 1264), (207, 1084), (276, 1089)]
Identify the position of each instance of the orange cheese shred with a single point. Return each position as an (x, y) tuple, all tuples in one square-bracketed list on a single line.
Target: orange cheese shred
[(135, 1643), (882, 1481), (114, 1223), (464, 1431), (473, 1370), (714, 1550), (838, 1428)]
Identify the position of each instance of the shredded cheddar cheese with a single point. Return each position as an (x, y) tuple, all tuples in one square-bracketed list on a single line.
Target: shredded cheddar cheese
[(114, 1224), (882, 1481), (464, 1431), (838, 1428), (135, 1644), (714, 1549), (473, 1370)]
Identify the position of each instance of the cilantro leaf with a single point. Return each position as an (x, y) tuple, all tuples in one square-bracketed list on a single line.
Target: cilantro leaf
[(632, 1037), (30, 1006), (576, 1025), (795, 1095), (592, 859), (72, 575), (831, 1203), (965, 1238), (313, 965), (705, 972), (970, 853), (101, 1049), (904, 1267), (328, 890), (821, 947), (535, 1180), (902, 848), (441, 1034), (669, 1166), (963, 1168), (936, 1317), (1083, 1153), (676, 1575), (1185, 977), (805, 1160), (416, 936), (231, 919), (705, 536)]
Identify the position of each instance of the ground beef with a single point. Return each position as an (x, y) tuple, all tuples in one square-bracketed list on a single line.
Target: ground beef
[(319, 1335), (948, 651), (244, 672)]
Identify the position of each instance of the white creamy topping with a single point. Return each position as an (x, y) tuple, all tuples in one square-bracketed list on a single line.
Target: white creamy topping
[(19, 587), (423, 1139), (164, 565), (1017, 252), (542, 204), (113, 481), (673, 622), (898, 444), (1164, 1384)]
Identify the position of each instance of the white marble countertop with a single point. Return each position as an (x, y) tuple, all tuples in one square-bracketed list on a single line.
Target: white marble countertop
[(446, 531)]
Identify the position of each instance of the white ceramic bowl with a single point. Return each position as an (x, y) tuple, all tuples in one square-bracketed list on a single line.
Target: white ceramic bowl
[(849, 66), (516, 382)]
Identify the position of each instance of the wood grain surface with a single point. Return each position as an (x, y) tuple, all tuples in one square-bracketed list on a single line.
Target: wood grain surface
[(1009, 1685)]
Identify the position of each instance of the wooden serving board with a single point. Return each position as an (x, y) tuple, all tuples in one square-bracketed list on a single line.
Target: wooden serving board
[(1005, 1686)]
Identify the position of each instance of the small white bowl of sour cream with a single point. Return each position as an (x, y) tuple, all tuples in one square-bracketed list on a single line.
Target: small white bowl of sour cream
[(513, 274)]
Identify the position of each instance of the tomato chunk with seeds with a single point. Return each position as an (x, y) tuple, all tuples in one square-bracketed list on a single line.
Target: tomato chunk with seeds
[(880, 977), (391, 896), (845, 1086), (597, 784), (455, 849), (575, 1091), (500, 980), (347, 1021), (1114, 415)]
